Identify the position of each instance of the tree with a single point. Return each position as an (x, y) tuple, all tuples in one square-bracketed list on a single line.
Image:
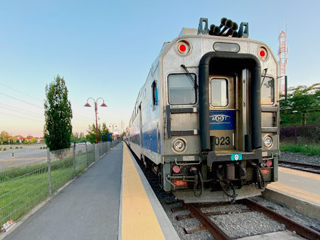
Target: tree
[(102, 131), (302, 105), (4, 137), (58, 115), (82, 137), (76, 137), (33, 140)]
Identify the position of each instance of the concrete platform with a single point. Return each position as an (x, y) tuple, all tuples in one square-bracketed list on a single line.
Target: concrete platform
[(275, 236), (297, 190)]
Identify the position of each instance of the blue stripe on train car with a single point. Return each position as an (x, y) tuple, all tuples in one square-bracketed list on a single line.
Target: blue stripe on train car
[(222, 119), (150, 140)]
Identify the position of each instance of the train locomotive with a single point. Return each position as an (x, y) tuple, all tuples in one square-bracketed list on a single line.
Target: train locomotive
[(206, 121)]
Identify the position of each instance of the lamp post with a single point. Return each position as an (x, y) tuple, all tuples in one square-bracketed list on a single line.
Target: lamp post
[(112, 126), (96, 112)]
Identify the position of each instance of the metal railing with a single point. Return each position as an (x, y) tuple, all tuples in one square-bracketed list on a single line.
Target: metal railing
[(25, 186), (309, 134)]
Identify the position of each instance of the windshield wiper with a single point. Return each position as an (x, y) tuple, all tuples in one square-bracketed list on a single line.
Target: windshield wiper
[(193, 81), (264, 76)]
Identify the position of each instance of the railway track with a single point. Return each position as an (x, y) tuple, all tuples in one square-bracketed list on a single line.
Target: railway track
[(300, 166), (211, 215)]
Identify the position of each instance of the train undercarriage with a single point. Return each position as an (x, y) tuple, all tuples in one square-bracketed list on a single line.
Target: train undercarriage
[(219, 182)]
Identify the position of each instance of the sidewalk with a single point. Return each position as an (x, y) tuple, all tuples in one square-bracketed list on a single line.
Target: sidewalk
[(88, 208)]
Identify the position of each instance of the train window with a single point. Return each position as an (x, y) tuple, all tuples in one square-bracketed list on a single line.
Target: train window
[(154, 93), (267, 90), (181, 88), (219, 92)]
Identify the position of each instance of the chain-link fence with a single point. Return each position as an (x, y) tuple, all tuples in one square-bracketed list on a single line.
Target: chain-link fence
[(309, 134), (24, 186)]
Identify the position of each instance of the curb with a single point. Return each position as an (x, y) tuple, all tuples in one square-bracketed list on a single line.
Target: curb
[(299, 205)]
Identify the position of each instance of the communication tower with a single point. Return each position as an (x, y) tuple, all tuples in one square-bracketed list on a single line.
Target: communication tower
[(122, 126), (283, 51)]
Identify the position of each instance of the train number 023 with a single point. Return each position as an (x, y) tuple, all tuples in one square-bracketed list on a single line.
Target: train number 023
[(222, 141)]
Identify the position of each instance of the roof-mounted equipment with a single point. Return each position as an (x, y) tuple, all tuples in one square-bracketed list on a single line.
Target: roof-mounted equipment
[(229, 28)]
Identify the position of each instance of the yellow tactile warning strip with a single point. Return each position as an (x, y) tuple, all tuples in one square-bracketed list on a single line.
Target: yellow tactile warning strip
[(138, 218), (308, 196)]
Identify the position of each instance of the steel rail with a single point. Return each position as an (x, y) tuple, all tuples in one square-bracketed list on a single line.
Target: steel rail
[(291, 225), (301, 166), (207, 223)]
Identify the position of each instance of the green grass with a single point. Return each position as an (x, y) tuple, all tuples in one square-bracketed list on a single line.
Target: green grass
[(20, 195), (310, 150), (33, 169), (23, 188)]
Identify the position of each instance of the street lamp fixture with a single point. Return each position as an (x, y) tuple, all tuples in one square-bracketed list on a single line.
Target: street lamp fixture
[(112, 126), (96, 112)]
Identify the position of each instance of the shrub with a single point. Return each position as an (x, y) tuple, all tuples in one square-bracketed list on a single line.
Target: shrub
[(310, 150)]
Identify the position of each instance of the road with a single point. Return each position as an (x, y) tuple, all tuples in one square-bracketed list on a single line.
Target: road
[(29, 154), (19, 157)]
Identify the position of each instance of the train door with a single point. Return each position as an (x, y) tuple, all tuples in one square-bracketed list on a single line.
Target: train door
[(222, 111), (229, 102)]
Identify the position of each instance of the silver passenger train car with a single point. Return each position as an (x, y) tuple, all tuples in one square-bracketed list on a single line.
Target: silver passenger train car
[(206, 121)]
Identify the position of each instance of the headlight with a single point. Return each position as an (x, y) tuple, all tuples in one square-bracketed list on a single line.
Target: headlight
[(268, 141), (179, 145)]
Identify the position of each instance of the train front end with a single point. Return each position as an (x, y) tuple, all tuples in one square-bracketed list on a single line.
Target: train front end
[(221, 114)]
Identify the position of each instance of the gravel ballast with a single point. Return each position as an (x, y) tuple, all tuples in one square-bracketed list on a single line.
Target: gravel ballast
[(299, 158)]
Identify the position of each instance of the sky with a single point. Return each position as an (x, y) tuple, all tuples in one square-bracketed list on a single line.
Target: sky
[(104, 49)]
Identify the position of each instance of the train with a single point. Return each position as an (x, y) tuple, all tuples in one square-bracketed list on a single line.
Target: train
[(206, 120)]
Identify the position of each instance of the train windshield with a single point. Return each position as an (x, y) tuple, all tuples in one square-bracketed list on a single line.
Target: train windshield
[(267, 90), (181, 88)]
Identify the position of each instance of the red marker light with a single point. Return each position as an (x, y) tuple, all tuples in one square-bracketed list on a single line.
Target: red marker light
[(180, 183), (264, 171), (262, 53), (182, 48)]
